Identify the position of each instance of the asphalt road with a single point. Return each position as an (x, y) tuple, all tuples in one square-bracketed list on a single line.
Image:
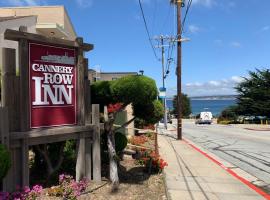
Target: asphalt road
[(246, 149)]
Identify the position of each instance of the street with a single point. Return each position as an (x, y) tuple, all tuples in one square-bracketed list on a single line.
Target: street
[(245, 149)]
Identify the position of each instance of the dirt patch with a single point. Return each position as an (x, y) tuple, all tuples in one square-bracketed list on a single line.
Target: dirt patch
[(135, 184)]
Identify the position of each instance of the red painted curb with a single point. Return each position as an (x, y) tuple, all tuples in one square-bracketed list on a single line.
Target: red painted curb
[(246, 182)]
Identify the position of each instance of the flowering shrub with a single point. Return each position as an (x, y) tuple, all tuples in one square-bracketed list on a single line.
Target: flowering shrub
[(152, 161), (114, 107), (26, 194), (138, 140), (68, 188), (150, 126)]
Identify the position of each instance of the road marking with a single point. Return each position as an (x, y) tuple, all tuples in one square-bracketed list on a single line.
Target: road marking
[(243, 180)]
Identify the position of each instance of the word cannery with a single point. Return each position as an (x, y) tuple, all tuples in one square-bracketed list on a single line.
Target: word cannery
[(55, 84)]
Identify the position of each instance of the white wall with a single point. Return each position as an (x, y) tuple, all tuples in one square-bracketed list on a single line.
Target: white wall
[(14, 24)]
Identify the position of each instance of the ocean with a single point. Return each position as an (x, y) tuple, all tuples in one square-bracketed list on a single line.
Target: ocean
[(214, 106)]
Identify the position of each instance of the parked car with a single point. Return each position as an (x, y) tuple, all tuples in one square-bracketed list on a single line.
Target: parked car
[(204, 118)]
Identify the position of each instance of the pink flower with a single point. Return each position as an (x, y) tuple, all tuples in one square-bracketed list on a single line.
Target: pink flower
[(61, 177), (37, 188)]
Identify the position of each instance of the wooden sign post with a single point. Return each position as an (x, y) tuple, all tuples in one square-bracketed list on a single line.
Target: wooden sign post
[(48, 102)]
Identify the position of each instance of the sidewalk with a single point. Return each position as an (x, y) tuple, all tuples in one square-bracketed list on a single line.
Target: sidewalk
[(192, 176)]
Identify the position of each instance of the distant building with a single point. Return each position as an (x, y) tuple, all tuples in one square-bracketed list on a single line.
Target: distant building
[(126, 115), (45, 20), (94, 75)]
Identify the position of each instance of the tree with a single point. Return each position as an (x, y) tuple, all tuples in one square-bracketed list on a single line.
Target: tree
[(141, 92), (229, 113), (186, 108), (254, 94)]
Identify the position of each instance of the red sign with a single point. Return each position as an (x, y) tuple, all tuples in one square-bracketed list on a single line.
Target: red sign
[(52, 84)]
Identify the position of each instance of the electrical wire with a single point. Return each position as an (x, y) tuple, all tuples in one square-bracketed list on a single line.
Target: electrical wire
[(147, 30), (182, 30), (185, 17)]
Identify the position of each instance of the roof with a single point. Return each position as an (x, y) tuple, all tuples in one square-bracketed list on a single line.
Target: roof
[(11, 7), (92, 70), (119, 72), (2, 19), (66, 15)]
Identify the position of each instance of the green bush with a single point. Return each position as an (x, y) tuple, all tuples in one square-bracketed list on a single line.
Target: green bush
[(134, 89), (120, 142), (5, 161)]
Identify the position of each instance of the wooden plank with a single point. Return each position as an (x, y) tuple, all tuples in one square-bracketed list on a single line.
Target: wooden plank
[(88, 160), (10, 87), (17, 36), (60, 138), (25, 162), (4, 129), (24, 83), (96, 144), (57, 131), (80, 85), (87, 94), (4, 136), (80, 163), (17, 168)]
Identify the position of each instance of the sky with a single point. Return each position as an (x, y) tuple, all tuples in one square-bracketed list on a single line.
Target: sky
[(228, 38)]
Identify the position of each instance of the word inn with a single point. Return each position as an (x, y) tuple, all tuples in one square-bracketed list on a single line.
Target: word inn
[(53, 86)]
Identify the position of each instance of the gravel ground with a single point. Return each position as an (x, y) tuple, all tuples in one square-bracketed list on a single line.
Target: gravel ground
[(135, 184)]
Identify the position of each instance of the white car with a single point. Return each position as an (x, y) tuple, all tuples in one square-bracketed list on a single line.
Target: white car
[(205, 118)]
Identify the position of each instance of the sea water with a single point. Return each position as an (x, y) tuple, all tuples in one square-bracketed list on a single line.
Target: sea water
[(214, 106)]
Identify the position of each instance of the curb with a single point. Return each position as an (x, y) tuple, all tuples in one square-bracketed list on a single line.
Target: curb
[(258, 129), (166, 188), (231, 172)]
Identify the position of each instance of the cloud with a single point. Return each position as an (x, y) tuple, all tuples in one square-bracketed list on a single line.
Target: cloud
[(84, 3), (206, 3), (237, 79), (235, 44), (231, 4), (265, 28), (26, 2), (214, 87), (218, 42), (193, 28)]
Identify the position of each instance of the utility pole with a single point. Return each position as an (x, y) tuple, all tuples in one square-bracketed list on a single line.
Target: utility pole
[(179, 5), (163, 81), (164, 74), (161, 38)]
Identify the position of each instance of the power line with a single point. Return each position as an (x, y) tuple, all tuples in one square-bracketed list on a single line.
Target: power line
[(186, 13), (145, 24), (182, 29)]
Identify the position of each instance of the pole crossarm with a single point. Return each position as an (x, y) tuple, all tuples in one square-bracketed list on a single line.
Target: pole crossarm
[(178, 2)]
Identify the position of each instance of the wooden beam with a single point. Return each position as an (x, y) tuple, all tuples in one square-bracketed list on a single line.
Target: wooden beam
[(80, 162), (87, 94), (96, 144), (80, 85), (24, 82), (61, 138), (50, 132), (17, 36), (10, 87), (4, 130), (25, 162)]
